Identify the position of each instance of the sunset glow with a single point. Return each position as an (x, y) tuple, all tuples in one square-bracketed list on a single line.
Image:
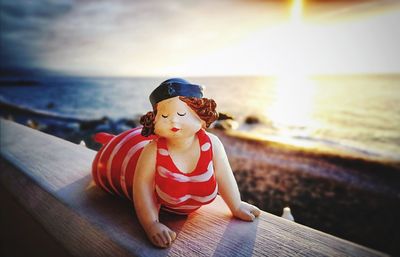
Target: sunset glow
[(306, 47), (294, 91), (296, 10), (171, 38)]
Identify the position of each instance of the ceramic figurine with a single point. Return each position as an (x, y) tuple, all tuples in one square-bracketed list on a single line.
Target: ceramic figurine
[(171, 162)]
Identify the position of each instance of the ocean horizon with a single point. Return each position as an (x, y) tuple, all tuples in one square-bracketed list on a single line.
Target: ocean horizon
[(357, 114)]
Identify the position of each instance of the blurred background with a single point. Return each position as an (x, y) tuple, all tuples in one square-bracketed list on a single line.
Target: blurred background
[(319, 79)]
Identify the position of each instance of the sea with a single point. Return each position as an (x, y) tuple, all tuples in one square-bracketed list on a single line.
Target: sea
[(358, 114)]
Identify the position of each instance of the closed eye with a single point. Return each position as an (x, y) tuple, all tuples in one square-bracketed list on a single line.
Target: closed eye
[(164, 116), (180, 114)]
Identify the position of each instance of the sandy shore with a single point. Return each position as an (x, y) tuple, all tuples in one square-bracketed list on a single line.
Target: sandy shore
[(353, 197)]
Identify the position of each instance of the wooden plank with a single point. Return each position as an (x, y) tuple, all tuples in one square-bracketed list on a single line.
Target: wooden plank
[(51, 179)]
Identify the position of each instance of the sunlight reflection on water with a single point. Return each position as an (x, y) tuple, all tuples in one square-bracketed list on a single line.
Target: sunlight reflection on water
[(293, 102), (356, 112)]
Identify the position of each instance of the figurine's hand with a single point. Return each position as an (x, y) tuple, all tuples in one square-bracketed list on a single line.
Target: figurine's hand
[(160, 235), (246, 212)]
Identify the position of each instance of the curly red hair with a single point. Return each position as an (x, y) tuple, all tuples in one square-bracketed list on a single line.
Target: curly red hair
[(205, 108)]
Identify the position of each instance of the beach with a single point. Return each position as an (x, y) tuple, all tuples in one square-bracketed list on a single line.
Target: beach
[(345, 195), (308, 95), (330, 184)]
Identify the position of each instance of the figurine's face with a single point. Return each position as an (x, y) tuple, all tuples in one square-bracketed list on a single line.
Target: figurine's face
[(175, 119)]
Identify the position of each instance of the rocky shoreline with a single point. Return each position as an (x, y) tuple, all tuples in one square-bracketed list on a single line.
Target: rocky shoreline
[(352, 197)]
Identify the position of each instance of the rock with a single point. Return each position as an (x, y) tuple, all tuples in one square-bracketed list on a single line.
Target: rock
[(219, 125), (9, 117), (252, 120), (35, 124), (226, 124), (71, 127), (122, 125), (106, 127), (225, 116), (93, 124), (129, 123), (32, 124)]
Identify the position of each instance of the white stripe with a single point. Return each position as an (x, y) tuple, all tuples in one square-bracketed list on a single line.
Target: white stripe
[(115, 151), (165, 173), (99, 164), (173, 200), (127, 158), (205, 147)]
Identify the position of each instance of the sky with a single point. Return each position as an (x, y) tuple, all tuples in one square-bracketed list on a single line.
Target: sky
[(200, 38)]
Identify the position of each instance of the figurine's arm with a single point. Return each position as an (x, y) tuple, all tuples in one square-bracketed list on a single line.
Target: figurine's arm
[(227, 185), (144, 199)]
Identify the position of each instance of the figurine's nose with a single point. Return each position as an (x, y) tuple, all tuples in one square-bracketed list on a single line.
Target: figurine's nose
[(174, 119)]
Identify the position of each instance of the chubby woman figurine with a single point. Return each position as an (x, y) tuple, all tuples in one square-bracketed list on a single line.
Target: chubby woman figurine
[(171, 162)]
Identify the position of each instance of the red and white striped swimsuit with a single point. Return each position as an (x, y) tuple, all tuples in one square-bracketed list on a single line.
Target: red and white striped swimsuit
[(180, 192), (114, 166)]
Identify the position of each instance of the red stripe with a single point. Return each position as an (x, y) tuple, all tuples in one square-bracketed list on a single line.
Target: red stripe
[(104, 156), (178, 189), (171, 187), (94, 166), (116, 164)]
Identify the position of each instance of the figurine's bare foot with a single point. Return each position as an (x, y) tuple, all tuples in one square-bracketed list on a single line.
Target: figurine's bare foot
[(160, 235), (246, 212)]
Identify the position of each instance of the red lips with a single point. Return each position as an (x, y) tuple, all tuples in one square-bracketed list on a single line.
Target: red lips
[(175, 129)]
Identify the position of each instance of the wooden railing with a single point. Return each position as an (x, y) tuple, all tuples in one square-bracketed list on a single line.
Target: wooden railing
[(46, 187)]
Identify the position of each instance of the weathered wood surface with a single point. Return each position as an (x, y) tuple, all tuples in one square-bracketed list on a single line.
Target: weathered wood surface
[(50, 178)]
